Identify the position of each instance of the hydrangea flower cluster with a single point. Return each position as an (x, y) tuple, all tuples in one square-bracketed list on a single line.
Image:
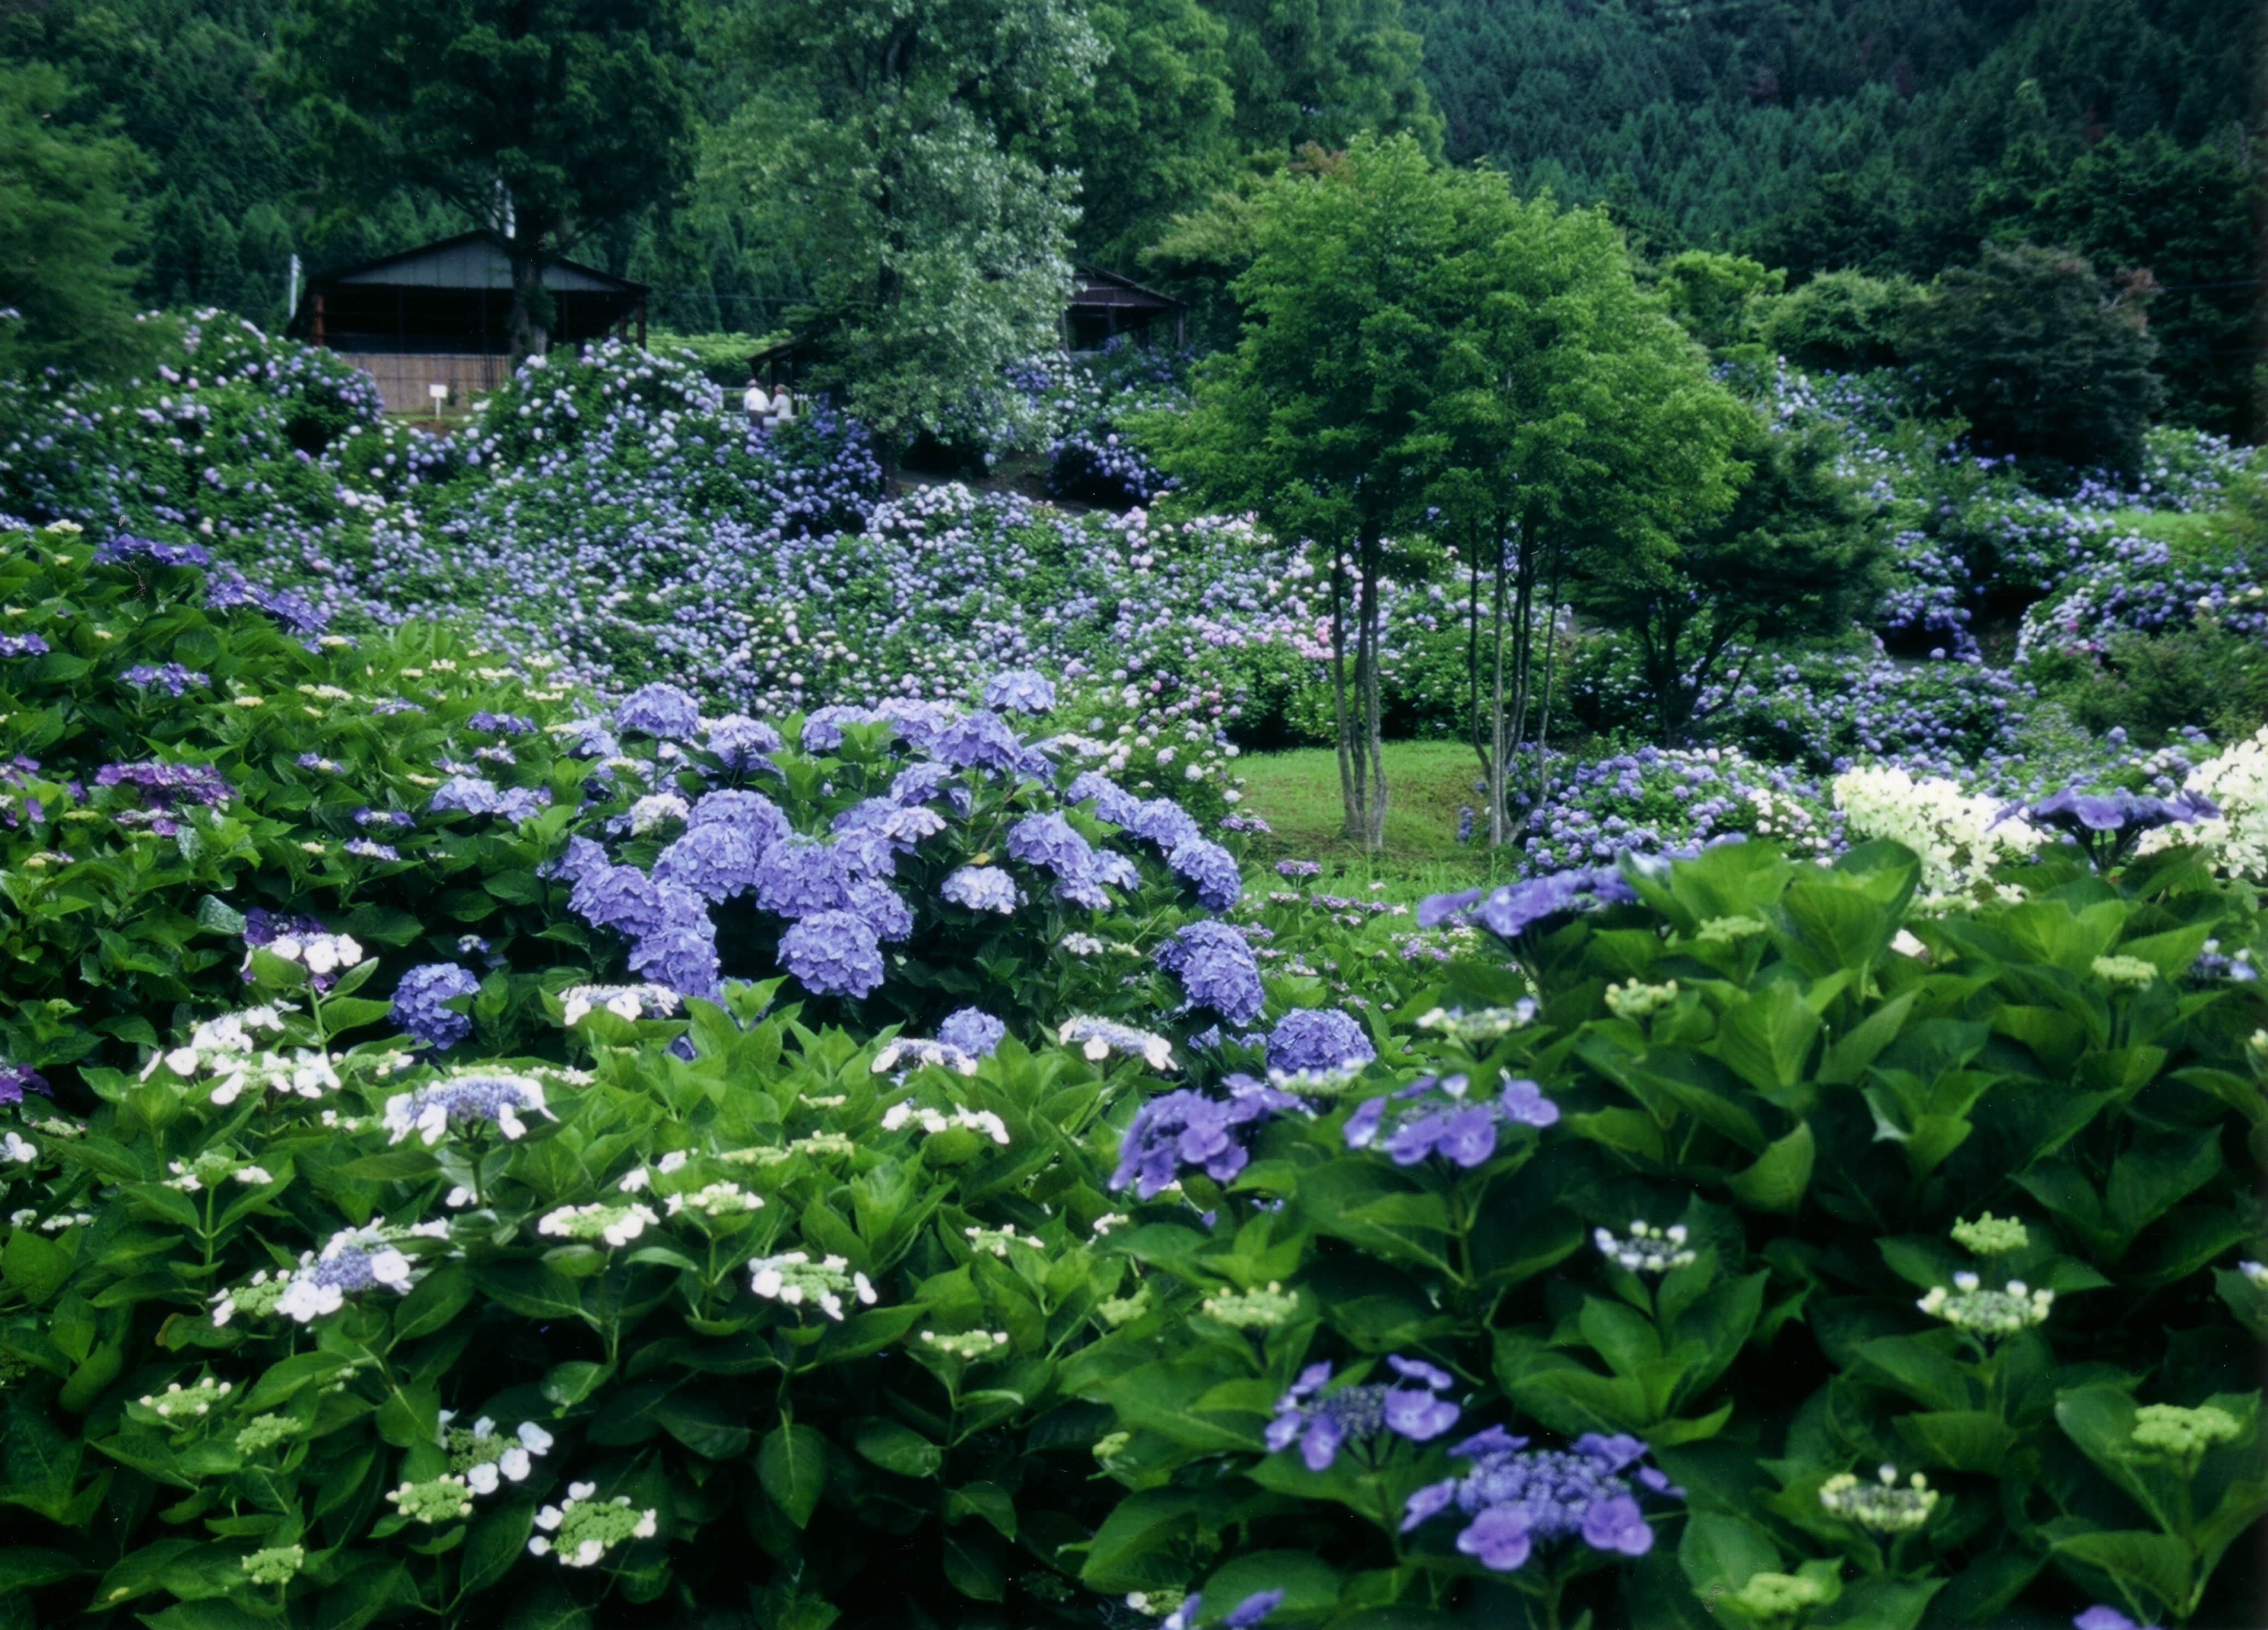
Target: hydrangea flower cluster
[(1517, 1497), (1320, 1040), (1436, 1115), (1322, 1419), (417, 1008), (2108, 825), (1989, 1235), (1537, 904), (485, 1458), (1885, 1506), (1099, 1038), (613, 1225), (1217, 970), (793, 1278), (353, 1261), (582, 1530), (1990, 1314), (471, 1098), (1188, 1129), (1645, 1249)]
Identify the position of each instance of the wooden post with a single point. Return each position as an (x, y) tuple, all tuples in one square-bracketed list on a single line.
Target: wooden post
[(315, 327), (641, 322)]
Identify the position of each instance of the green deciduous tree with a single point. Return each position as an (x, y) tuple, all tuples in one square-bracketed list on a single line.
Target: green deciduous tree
[(542, 118), (1321, 70), (67, 228), (1722, 299), (1573, 419), (1797, 555), (2043, 358), (893, 146), (1313, 419), (1844, 320), (1151, 131)]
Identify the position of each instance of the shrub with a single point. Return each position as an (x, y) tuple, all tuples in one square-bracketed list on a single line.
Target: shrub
[(1841, 321)]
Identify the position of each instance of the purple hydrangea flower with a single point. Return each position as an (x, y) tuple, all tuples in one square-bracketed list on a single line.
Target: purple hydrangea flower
[(743, 744), (1514, 909), (126, 547), (1415, 1409), (1217, 970), (715, 861), (753, 814), (22, 646), (1211, 868), (972, 1030), (982, 888), (679, 952), (2102, 1618), (822, 728), (801, 877), (1517, 1497), (417, 1008), (16, 1080), (834, 954), (659, 709), (919, 784), (1434, 1115), (1253, 1610), (474, 795), (172, 678), (1112, 802), (1050, 843), (1185, 1128), (1164, 823), (1021, 690), (1318, 1039), (2108, 825), (501, 724), (981, 739)]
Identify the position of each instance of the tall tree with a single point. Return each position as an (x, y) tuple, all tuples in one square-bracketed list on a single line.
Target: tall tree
[(1796, 555), (67, 227), (1151, 131), (891, 142), (544, 120), (1323, 71), (1311, 419), (2043, 357), (1574, 422)]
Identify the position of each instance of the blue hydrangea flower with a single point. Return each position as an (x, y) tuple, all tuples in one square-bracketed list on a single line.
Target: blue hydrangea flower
[(715, 861), (1164, 823), (799, 877), (891, 918), (982, 888), (680, 953), (753, 814), (1539, 902), (618, 896), (918, 784), (1319, 1039), (981, 739), (659, 709), (822, 728), (1050, 843), (2107, 825), (475, 795), (1020, 690), (920, 723), (1434, 1115), (1322, 1423), (1186, 1128), (1111, 801), (743, 744), (1517, 1497), (1211, 868), (417, 1010), (834, 954), (972, 1030), (1217, 970), (1117, 869)]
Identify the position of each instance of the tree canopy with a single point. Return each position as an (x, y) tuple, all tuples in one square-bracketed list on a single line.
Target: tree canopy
[(540, 119), (68, 226)]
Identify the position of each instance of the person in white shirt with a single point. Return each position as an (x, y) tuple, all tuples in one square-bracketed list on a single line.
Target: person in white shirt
[(757, 406)]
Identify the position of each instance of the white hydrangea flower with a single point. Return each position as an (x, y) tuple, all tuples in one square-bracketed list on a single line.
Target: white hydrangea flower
[(1958, 837)]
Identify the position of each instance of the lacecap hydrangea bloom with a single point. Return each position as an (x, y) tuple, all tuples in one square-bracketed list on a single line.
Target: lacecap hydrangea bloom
[(1188, 1129), (1322, 1419), (1437, 1115), (1516, 1498)]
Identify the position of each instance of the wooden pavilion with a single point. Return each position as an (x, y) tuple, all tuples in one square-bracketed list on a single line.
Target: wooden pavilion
[(441, 316)]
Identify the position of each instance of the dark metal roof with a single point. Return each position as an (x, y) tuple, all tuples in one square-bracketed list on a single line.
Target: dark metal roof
[(473, 260), (1098, 287)]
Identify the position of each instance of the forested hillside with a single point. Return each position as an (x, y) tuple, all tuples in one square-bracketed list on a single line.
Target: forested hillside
[(1888, 135), (1892, 136)]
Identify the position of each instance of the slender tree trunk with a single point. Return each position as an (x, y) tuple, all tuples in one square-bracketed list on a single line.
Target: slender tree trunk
[(1476, 718), (530, 305), (1551, 654), (1343, 715), (1370, 613), (1499, 737)]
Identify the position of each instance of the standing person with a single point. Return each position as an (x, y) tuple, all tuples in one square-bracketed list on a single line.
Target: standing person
[(757, 406)]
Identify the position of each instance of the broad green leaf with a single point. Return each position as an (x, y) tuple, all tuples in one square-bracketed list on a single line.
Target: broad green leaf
[(896, 1447), (791, 1465), (1777, 1181), (2153, 1562)]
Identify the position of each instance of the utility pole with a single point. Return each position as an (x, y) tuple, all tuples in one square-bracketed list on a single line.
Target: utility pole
[(291, 288)]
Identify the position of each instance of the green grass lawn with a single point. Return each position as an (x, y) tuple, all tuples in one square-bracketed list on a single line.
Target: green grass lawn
[(1298, 794)]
